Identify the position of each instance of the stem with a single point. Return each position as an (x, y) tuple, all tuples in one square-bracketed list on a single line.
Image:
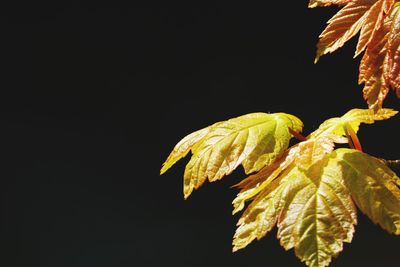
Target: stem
[(354, 142), (297, 135)]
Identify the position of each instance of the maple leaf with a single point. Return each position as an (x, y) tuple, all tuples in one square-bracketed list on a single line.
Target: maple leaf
[(379, 27), (373, 186), (352, 118), (346, 23), (371, 68), (392, 60), (308, 193), (301, 155), (253, 140), (378, 67), (316, 3), (318, 143), (311, 207)]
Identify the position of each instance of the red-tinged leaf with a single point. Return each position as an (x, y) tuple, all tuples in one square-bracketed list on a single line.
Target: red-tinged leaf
[(373, 21), (392, 61), (371, 68), (317, 3), (343, 26), (379, 23), (374, 56), (375, 91)]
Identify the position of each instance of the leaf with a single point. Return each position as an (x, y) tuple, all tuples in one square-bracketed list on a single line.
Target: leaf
[(374, 56), (302, 155), (318, 214), (317, 3), (309, 191), (373, 186), (253, 140), (354, 118), (373, 21), (254, 184), (371, 67), (306, 193), (392, 60), (318, 144), (343, 26), (312, 209), (183, 147), (379, 37)]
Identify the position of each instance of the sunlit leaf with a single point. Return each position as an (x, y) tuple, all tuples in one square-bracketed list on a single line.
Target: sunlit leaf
[(373, 21), (312, 208), (302, 155), (379, 25), (373, 64), (309, 191), (343, 26), (373, 187), (253, 140), (391, 67), (353, 118), (316, 3), (183, 147), (306, 193)]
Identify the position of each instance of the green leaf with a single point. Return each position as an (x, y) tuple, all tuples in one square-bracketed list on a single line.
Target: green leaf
[(373, 186), (253, 140)]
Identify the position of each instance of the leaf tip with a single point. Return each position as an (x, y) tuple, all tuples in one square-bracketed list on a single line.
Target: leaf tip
[(312, 5), (163, 169), (318, 56), (358, 52)]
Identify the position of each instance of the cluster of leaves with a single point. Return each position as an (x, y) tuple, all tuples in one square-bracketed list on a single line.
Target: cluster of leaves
[(309, 190), (378, 22)]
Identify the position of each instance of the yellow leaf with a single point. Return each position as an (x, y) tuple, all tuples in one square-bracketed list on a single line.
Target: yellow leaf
[(253, 140), (183, 147), (373, 187), (259, 218), (353, 118), (254, 184), (301, 155), (312, 208)]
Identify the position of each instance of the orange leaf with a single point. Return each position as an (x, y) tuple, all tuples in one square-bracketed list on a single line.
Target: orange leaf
[(343, 26), (379, 23), (375, 89), (391, 67), (315, 3), (373, 21)]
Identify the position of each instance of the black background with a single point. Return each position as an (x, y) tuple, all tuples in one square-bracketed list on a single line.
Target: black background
[(94, 98)]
